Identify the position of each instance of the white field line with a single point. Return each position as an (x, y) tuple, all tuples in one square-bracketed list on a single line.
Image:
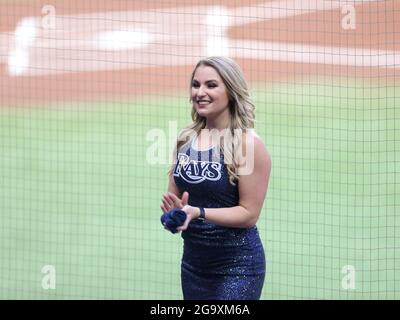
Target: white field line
[(281, 9), (291, 52), (165, 37), (5, 39)]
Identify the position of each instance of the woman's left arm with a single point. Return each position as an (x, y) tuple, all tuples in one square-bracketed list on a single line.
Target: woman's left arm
[(252, 191)]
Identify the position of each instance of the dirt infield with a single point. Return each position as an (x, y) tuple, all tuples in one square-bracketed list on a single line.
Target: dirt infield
[(90, 54)]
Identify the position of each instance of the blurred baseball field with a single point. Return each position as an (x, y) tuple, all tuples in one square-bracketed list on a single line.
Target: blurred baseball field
[(80, 188)]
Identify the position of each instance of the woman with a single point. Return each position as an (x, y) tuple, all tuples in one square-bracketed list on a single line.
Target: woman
[(220, 187)]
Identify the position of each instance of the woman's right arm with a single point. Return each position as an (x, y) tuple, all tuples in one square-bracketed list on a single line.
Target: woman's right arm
[(172, 187), (166, 205)]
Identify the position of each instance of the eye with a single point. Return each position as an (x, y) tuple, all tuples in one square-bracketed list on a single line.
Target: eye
[(195, 84), (212, 85)]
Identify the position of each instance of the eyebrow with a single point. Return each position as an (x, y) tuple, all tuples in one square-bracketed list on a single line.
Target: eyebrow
[(208, 81)]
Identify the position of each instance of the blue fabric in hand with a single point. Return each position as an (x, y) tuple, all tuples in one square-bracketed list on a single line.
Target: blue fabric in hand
[(173, 219)]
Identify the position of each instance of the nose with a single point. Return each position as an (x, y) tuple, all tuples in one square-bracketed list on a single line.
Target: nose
[(201, 92)]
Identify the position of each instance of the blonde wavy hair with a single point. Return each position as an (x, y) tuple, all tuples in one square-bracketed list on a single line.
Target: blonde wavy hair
[(240, 106)]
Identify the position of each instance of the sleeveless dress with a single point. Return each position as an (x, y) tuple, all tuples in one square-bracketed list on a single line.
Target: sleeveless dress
[(218, 263)]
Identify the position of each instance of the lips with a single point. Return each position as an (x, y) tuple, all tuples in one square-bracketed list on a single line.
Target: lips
[(203, 102)]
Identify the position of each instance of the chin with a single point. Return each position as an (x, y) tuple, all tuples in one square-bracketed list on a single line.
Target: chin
[(202, 112)]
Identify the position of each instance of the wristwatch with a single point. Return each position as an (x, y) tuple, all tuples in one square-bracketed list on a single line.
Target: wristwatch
[(202, 215)]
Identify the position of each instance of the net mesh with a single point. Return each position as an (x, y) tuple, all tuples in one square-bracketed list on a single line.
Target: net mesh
[(93, 94)]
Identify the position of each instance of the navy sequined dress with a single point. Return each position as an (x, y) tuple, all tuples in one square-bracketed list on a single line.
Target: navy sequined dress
[(218, 263)]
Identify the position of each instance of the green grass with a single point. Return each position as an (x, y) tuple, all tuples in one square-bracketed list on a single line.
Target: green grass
[(76, 192)]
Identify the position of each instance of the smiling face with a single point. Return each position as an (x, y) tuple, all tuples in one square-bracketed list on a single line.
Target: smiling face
[(209, 94)]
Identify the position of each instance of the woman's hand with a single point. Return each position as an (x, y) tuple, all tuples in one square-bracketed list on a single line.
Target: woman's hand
[(170, 201), (191, 214)]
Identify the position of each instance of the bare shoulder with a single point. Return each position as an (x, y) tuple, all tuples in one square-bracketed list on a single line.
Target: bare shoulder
[(255, 158), (260, 150)]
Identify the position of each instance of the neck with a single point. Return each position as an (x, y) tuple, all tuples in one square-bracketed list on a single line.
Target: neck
[(220, 122)]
